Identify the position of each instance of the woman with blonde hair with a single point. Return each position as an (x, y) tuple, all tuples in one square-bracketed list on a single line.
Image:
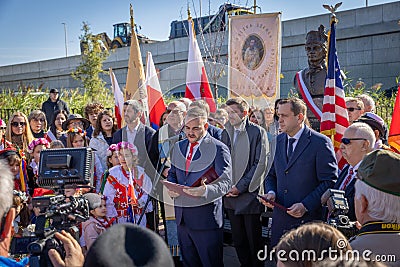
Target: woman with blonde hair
[(18, 131)]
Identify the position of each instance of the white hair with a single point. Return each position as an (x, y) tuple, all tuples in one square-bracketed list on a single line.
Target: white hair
[(368, 101), (363, 130), (6, 187), (381, 206)]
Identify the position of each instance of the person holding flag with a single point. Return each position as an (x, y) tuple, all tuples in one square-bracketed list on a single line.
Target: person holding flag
[(127, 187), (394, 132)]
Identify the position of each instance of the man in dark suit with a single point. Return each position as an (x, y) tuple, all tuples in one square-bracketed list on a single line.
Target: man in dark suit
[(198, 209), (247, 143), (358, 140), (135, 132), (304, 168)]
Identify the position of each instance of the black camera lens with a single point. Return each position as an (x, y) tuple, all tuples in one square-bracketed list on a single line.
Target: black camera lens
[(36, 247), (344, 220)]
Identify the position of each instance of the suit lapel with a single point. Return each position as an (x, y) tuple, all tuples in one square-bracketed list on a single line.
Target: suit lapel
[(302, 143)]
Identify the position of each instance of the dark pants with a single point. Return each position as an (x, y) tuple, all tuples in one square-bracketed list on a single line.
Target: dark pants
[(247, 237), (201, 247)]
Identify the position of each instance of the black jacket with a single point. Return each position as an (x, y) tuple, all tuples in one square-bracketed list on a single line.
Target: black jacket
[(49, 108)]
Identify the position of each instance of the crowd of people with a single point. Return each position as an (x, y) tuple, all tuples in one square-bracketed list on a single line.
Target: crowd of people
[(198, 168)]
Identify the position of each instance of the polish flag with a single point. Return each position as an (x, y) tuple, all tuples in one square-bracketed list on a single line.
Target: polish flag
[(118, 98), (155, 100), (197, 86)]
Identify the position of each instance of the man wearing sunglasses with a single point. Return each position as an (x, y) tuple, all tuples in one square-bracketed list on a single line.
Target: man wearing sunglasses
[(304, 168), (358, 140), (355, 108)]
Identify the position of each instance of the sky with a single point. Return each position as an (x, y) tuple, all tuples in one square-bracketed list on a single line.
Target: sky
[(34, 30)]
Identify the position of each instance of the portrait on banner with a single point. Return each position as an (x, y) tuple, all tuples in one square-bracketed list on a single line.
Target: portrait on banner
[(254, 56)]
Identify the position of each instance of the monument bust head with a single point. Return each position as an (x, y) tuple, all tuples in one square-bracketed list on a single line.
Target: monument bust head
[(316, 47)]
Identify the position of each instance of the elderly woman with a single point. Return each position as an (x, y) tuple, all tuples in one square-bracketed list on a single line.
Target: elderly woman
[(38, 123), (102, 135), (18, 132)]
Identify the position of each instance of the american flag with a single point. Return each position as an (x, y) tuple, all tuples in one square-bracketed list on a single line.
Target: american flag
[(334, 119)]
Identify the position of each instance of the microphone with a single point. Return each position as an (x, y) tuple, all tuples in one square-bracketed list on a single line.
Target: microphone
[(175, 138)]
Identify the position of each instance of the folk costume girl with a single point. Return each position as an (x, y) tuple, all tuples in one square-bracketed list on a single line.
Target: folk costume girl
[(112, 160), (98, 221), (127, 187), (34, 149)]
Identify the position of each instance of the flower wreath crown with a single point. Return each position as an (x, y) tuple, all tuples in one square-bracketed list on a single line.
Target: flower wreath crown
[(76, 130), (111, 149), (127, 145), (36, 142)]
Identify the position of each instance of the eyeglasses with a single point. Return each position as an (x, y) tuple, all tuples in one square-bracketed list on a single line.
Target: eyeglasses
[(3, 128), (16, 123), (347, 141), (352, 109)]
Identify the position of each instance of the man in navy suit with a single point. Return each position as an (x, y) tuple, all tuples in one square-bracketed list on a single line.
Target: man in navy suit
[(304, 168), (198, 210), (358, 140), (135, 132)]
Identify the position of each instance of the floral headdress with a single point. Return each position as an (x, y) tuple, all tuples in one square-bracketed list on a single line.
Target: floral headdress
[(76, 130), (2, 123), (111, 150), (127, 145), (36, 142)]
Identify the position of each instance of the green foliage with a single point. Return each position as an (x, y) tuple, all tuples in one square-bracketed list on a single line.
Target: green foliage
[(88, 72), (384, 104)]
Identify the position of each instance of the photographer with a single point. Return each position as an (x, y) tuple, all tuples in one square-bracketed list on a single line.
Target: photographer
[(358, 140)]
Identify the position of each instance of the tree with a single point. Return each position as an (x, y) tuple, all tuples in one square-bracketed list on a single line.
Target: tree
[(89, 70)]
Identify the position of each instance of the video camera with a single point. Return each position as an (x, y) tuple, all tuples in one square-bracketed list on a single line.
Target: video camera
[(338, 208), (58, 168)]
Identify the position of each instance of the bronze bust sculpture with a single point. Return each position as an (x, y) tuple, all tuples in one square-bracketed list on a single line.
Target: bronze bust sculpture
[(310, 82)]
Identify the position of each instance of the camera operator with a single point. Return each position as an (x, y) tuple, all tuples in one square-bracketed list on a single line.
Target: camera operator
[(6, 198), (358, 140), (73, 252), (377, 204)]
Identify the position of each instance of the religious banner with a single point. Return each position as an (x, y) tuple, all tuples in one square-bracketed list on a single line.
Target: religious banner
[(254, 57)]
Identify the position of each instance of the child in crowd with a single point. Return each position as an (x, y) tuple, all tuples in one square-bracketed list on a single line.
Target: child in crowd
[(34, 149), (21, 212), (76, 138), (56, 144), (98, 221), (112, 160), (127, 187)]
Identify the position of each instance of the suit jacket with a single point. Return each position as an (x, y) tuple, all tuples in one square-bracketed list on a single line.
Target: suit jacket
[(142, 141), (348, 193), (214, 132), (249, 155), (201, 213), (310, 171)]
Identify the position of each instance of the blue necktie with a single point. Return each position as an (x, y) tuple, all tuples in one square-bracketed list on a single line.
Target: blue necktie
[(290, 147)]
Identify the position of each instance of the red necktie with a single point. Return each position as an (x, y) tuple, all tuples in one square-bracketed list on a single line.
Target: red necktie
[(347, 180), (189, 156)]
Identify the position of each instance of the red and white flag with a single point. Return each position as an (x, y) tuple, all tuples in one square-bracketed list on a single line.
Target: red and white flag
[(197, 86), (334, 119), (118, 99), (155, 100)]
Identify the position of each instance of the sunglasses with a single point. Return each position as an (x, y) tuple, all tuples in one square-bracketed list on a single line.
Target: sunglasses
[(347, 141), (16, 123), (352, 109)]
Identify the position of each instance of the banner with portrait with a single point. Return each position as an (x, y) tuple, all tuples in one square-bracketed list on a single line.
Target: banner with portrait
[(254, 57)]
